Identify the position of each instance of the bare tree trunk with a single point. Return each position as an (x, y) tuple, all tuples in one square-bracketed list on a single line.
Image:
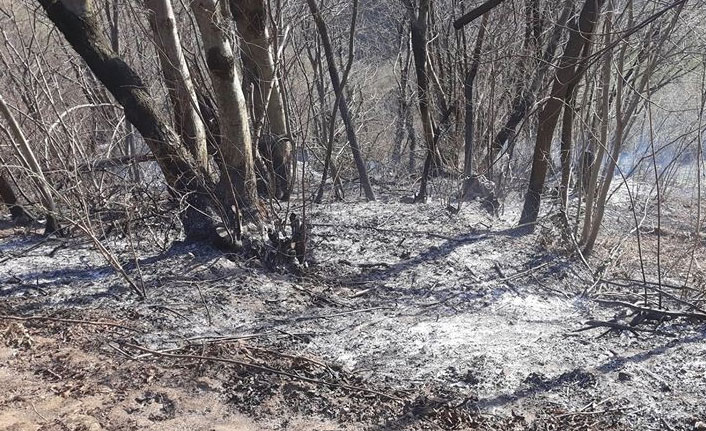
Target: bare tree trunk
[(332, 122), (623, 126), (129, 148), (258, 60), (567, 131), (419, 50), (76, 19), (602, 120), (412, 135), (9, 198), (322, 125), (238, 181), (469, 129), (566, 74), (403, 103), (342, 101), (524, 98), (29, 160), (187, 118)]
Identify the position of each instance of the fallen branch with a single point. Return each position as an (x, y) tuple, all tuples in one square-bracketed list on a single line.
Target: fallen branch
[(74, 321), (629, 282), (343, 313), (462, 238), (21, 253), (592, 324), (665, 313), (364, 265), (264, 369), (475, 13), (292, 357), (522, 273), (657, 289)]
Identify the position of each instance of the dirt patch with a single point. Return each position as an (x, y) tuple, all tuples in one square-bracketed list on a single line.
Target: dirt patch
[(60, 385)]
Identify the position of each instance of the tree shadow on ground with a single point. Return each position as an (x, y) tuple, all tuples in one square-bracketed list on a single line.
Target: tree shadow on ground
[(81, 283), (580, 376), (377, 274), (536, 384)]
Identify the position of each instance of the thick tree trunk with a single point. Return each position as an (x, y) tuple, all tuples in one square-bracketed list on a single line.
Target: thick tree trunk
[(258, 60), (29, 161), (129, 147), (548, 117), (76, 19), (187, 118), (238, 181), (251, 20), (342, 100), (9, 198)]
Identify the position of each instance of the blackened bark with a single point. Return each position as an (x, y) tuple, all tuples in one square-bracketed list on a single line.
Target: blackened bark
[(9, 198), (259, 64), (475, 13)]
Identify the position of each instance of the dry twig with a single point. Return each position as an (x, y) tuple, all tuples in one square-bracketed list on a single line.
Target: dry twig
[(654, 311), (74, 321), (265, 369)]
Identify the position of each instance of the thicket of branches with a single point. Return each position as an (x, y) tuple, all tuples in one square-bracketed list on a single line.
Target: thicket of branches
[(212, 115)]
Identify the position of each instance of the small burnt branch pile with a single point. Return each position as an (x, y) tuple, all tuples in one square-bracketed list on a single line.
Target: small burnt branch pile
[(478, 187), (288, 251), (640, 312)]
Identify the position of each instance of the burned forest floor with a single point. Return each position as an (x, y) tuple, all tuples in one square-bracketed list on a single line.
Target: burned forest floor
[(409, 317)]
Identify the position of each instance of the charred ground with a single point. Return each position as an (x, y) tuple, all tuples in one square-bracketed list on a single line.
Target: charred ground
[(409, 317)]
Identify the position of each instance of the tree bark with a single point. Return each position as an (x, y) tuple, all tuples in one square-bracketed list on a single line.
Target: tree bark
[(187, 118), (469, 128), (412, 135), (402, 100), (238, 182), (342, 100), (322, 125), (548, 117), (258, 60), (602, 121), (433, 162), (78, 22), (475, 13), (567, 131)]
